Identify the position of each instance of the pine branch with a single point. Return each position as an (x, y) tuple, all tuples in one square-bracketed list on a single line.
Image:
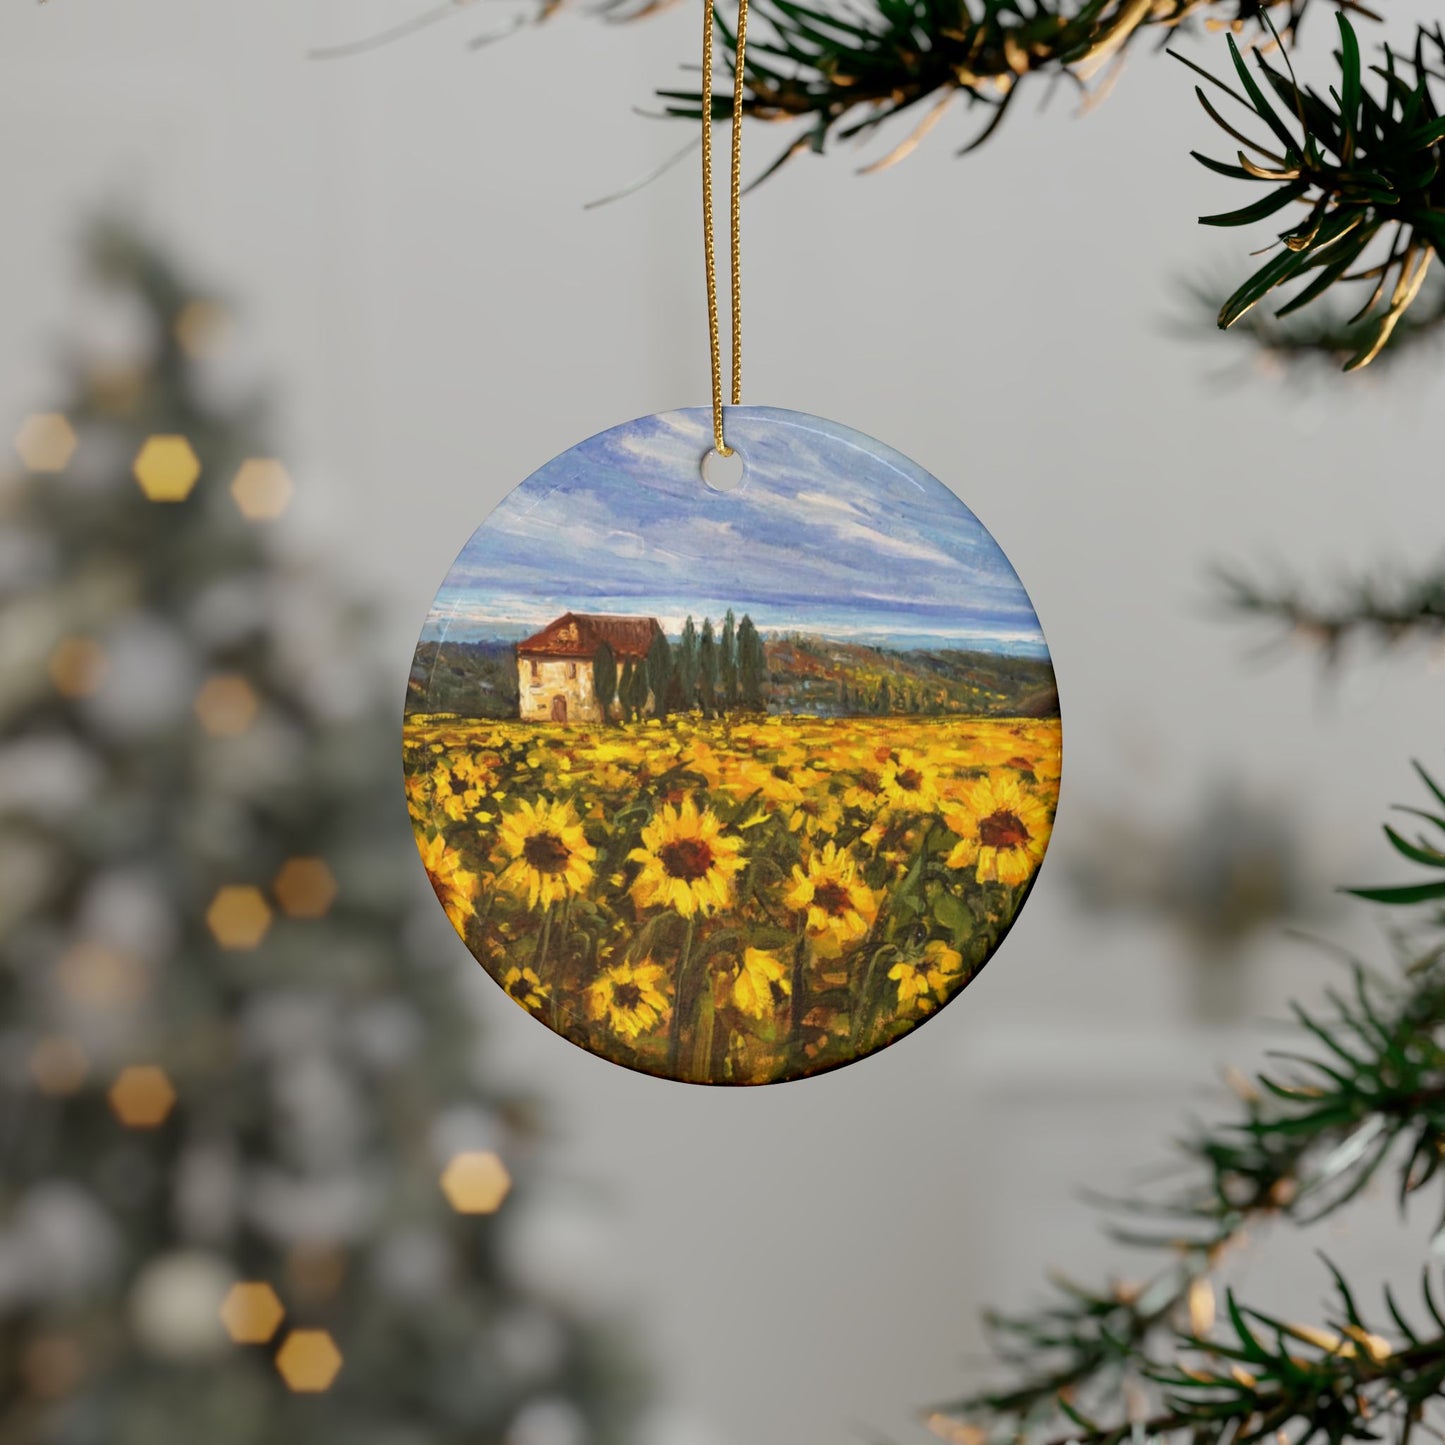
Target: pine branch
[(1365, 1091), (842, 71), (1366, 165), (1153, 1365), (1323, 338), (1392, 612), (1425, 848), (1345, 1383), (1363, 160)]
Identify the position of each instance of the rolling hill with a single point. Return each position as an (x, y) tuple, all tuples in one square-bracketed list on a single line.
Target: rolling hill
[(806, 674)]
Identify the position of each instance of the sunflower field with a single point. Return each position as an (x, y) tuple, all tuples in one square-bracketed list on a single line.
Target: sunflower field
[(733, 900)]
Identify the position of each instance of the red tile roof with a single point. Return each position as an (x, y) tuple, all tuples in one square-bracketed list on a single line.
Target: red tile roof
[(580, 634)]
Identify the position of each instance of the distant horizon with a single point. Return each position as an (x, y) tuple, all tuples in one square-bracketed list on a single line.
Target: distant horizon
[(830, 535), (499, 632)]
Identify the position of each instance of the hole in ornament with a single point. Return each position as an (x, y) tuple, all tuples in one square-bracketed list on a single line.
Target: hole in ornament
[(723, 474)]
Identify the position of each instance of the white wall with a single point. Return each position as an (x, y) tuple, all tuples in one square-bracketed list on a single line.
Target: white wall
[(440, 316)]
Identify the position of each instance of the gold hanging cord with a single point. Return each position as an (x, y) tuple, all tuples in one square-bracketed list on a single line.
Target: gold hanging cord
[(735, 208)]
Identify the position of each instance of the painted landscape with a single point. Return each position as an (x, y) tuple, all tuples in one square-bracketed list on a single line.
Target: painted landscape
[(704, 845)]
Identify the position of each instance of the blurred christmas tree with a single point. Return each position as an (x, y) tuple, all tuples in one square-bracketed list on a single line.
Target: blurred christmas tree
[(254, 1187)]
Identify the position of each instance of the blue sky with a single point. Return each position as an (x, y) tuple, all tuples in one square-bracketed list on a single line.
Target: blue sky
[(829, 533)]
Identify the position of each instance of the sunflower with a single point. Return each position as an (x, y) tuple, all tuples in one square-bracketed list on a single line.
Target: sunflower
[(523, 985), (929, 979), (909, 783), (774, 783), (549, 857), (820, 812), (418, 797), (701, 757), (687, 863), (457, 805), (455, 887), (629, 996), (1001, 828), (864, 791), (762, 983), (839, 907)]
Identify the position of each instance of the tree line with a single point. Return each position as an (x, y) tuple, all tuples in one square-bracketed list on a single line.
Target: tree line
[(713, 670)]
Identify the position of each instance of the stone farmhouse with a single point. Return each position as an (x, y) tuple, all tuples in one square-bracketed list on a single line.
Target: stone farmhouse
[(554, 666)]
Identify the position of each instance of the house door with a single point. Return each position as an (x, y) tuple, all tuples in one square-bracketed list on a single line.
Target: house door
[(559, 708)]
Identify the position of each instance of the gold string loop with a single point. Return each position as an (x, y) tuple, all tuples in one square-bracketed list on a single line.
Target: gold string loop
[(734, 221)]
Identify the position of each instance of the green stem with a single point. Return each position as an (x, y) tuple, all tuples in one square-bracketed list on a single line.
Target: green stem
[(539, 956), (865, 1009), (674, 1043), (800, 983), (483, 920)]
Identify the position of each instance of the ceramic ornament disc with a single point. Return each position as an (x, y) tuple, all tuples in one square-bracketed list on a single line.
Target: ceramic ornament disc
[(732, 787)]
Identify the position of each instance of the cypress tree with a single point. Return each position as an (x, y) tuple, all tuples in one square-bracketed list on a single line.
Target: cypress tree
[(685, 666), (752, 665), (707, 669), (624, 691), (728, 661), (659, 673), (604, 679)]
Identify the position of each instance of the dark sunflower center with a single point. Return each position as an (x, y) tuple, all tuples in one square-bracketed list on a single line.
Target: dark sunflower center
[(869, 781), (626, 995), (686, 858), (546, 852), (775, 987), (832, 898), (781, 773), (910, 780), (1003, 829)]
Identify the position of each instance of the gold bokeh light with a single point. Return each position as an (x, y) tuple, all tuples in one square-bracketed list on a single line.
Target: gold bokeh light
[(305, 888), (252, 1312), (97, 975), (202, 329), (314, 1270), (166, 468), (77, 666), (58, 1065), (45, 441), (142, 1096), (238, 916), (262, 489), (308, 1361), (226, 705), (476, 1182)]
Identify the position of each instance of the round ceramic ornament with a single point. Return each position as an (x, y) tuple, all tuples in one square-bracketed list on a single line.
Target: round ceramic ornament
[(732, 786)]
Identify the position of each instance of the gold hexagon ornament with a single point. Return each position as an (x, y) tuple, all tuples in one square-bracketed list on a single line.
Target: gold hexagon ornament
[(732, 785)]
